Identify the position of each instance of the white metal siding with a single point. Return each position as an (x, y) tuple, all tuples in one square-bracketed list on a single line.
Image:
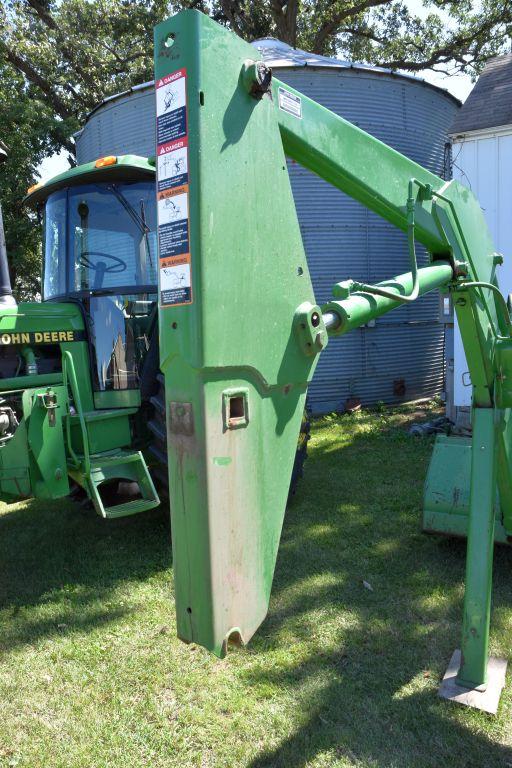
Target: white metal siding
[(484, 164)]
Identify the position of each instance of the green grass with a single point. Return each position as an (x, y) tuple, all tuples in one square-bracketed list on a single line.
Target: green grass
[(92, 676)]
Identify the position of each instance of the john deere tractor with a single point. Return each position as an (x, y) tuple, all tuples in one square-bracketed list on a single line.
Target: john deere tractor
[(71, 366), (82, 399)]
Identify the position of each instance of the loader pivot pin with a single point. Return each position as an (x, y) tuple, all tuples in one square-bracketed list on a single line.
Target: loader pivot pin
[(257, 78)]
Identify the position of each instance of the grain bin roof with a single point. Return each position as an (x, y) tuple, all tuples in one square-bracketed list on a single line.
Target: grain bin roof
[(281, 55), (489, 105)]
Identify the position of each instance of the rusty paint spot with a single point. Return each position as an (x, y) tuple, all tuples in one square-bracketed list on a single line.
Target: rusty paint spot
[(181, 420)]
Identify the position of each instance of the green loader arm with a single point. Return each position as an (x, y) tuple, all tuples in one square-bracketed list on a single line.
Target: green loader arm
[(241, 333)]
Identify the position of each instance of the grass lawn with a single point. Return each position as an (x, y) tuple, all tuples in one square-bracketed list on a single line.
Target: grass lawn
[(92, 676)]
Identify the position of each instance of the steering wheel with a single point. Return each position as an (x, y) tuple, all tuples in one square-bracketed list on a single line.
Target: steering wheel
[(117, 265)]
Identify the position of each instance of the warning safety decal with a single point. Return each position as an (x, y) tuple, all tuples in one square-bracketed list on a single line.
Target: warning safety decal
[(173, 190)]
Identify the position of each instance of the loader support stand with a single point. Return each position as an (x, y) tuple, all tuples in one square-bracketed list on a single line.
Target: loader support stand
[(480, 548), (479, 680)]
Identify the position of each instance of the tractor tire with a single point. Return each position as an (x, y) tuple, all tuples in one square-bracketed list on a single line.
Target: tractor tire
[(301, 454), (158, 444)]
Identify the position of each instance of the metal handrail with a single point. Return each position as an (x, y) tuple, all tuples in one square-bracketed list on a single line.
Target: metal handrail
[(70, 380)]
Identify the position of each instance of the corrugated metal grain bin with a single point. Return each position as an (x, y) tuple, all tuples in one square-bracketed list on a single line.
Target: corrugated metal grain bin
[(401, 356)]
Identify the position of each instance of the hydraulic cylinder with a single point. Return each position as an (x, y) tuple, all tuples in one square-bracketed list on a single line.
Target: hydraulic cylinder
[(356, 307)]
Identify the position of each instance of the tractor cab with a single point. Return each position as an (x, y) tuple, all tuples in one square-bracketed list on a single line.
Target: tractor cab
[(100, 251)]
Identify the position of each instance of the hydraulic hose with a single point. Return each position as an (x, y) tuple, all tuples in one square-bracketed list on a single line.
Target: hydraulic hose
[(501, 303), (390, 294)]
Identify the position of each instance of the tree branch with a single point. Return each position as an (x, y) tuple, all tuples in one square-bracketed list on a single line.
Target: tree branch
[(50, 22), (36, 79), (229, 13), (457, 49), (329, 28), (43, 13), (292, 9)]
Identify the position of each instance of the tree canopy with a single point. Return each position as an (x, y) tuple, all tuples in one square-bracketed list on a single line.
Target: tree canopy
[(58, 58), (30, 133), (73, 53)]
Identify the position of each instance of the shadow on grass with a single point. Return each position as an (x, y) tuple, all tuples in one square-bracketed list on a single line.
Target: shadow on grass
[(359, 519), (365, 694), (66, 561)]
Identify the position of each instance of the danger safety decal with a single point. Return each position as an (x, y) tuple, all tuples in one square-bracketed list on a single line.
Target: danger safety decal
[(175, 274)]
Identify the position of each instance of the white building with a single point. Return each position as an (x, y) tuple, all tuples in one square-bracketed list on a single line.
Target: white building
[(482, 160)]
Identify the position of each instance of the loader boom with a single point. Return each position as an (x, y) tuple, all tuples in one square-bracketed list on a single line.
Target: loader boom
[(240, 337)]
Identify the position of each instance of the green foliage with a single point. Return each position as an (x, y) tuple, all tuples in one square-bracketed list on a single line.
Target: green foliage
[(449, 35), (77, 52), (30, 131), (58, 58)]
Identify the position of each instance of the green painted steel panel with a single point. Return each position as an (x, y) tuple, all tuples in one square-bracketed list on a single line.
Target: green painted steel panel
[(478, 587), (106, 429), (43, 411), (14, 465), (33, 461), (117, 398), (235, 373), (32, 325), (446, 494)]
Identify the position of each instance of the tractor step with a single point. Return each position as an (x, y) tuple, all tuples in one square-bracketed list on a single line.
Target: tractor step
[(103, 415), (129, 508), (109, 473)]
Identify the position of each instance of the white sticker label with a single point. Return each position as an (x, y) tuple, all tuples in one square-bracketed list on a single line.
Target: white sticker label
[(173, 166), (170, 97), (174, 277), (290, 102), (173, 190), (173, 208)]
